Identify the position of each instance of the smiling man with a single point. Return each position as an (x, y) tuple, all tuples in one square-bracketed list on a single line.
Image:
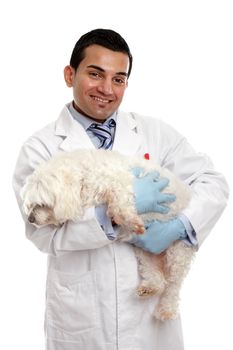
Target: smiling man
[(99, 82), (92, 278)]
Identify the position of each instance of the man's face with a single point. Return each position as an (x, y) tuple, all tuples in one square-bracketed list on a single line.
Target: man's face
[(99, 82)]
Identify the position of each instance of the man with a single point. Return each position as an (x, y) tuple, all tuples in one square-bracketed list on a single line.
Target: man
[(91, 300)]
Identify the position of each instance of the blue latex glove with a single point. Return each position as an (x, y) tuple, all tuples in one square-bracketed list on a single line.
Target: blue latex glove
[(159, 235), (148, 192)]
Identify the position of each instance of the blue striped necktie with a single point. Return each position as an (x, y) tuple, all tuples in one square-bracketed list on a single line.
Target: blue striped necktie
[(103, 132)]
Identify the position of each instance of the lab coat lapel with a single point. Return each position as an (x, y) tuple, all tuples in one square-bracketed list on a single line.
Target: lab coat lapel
[(127, 140), (75, 136)]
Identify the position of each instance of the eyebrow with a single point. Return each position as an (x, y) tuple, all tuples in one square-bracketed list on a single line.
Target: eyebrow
[(102, 70)]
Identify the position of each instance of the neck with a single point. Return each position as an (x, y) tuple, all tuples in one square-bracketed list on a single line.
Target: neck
[(86, 115)]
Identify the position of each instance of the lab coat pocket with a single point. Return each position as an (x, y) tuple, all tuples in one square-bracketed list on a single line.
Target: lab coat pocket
[(71, 302)]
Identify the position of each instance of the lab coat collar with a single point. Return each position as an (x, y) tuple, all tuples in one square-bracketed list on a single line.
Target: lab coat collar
[(127, 140), (73, 133)]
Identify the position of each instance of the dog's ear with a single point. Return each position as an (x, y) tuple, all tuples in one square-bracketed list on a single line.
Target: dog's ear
[(68, 197), (37, 191)]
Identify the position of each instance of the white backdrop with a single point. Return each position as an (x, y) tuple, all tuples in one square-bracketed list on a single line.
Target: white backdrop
[(182, 73)]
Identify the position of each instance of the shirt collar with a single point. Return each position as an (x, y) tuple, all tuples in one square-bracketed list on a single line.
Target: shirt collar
[(83, 120)]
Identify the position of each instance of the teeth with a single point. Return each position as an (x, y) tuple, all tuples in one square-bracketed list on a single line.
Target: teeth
[(100, 99)]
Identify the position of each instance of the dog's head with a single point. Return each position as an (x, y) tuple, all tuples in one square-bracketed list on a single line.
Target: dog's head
[(39, 199), (42, 215), (51, 197)]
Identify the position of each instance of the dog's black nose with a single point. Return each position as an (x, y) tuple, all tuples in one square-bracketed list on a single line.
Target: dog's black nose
[(31, 218)]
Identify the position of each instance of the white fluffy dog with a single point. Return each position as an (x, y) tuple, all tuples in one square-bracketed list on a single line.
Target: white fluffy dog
[(61, 188)]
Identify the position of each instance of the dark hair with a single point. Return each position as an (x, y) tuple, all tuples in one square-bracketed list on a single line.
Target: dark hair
[(103, 37)]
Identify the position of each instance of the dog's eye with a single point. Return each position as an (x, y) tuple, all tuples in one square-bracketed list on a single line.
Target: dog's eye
[(38, 206), (41, 205)]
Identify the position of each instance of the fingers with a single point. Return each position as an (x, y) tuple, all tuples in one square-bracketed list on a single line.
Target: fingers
[(162, 183), (165, 197), (153, 176), (162, 209), (136, 171), (148, 224)]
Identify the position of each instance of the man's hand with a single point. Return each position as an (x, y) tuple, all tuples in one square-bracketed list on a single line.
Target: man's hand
[(148, 192), (159, 235)]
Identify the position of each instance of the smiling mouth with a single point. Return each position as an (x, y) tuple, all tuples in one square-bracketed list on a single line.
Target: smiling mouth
[(101, 100)]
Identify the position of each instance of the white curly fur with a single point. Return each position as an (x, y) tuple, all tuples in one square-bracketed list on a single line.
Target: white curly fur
[(61, 188)]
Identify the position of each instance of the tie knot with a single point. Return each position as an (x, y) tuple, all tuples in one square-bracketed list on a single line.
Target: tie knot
[(103, 132), (109, 124)]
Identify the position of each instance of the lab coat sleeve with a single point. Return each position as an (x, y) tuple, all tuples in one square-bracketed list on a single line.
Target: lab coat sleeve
[(209, 188), (71, 236)]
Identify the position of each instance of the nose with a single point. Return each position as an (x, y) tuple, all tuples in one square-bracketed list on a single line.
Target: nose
[(31, 218), (106, 87)]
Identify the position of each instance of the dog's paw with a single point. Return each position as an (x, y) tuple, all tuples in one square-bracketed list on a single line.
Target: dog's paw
[(165, 313), (132, 223), (145, 290), (136, 225), (138, 229), (151, 285)]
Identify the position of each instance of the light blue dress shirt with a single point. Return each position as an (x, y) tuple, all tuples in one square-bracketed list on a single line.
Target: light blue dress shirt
[(86, 123), (103, 219)]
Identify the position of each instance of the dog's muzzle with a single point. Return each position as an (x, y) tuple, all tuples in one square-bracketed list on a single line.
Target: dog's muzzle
[(31, 218)]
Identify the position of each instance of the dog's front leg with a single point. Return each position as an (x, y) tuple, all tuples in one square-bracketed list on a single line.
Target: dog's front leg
[(123, 212)]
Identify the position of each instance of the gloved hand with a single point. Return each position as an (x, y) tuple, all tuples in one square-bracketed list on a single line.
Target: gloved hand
[(159, 235), (148, 192)]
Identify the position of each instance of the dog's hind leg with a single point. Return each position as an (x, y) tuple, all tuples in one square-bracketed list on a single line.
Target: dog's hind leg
[(178, 260), (152, 277)]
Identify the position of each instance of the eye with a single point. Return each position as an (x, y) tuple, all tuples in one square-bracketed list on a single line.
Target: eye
[(38, 206), (120, 81), (95, 75)]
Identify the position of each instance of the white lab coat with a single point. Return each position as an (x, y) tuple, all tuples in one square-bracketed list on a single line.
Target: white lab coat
[(90, 301)]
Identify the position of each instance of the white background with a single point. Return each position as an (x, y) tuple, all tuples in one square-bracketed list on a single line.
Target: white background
[(182, 73)]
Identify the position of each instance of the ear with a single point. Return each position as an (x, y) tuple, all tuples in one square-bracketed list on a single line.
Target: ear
[(69, 74)]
